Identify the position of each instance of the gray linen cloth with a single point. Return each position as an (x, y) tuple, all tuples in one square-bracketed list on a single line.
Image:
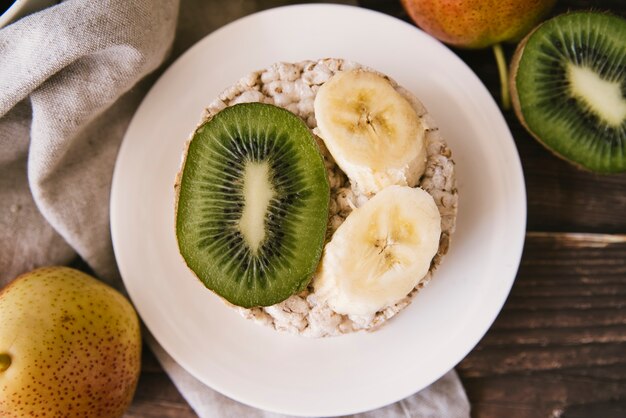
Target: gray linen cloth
[(71, 77)]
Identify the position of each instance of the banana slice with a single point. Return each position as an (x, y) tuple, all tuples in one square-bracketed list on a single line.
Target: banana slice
[(371, 130), (381, 251)]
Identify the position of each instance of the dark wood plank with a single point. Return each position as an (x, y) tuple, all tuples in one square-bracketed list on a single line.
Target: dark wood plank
[(558, 348), (564, 198)]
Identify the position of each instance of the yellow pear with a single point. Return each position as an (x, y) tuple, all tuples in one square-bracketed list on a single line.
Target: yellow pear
[(70, 346)]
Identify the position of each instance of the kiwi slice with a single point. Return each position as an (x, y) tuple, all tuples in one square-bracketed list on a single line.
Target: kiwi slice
[(252, 204), (569, 88)]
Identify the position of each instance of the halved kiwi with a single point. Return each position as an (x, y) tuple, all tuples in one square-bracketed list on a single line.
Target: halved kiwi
[(568, 83), (252, 204)]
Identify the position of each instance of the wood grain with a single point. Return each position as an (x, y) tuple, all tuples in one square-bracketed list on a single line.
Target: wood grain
[(558, 348)]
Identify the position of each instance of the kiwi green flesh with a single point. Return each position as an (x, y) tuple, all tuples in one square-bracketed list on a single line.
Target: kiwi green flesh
[(212, 199), (586, 130)]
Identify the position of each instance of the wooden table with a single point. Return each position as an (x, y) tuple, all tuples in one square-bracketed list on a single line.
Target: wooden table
[(558, 348)]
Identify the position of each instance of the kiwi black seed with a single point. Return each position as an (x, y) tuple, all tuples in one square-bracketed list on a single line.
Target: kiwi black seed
[(569, 88), (252, 206)]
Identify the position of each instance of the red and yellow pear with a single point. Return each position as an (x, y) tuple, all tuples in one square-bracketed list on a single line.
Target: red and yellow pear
[(479, 23)]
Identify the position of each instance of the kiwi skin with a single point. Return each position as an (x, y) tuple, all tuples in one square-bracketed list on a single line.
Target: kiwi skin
[(513, 85), (515, 97), (514, 66)]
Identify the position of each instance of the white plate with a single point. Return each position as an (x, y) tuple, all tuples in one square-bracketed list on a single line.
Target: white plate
[(348, 374)]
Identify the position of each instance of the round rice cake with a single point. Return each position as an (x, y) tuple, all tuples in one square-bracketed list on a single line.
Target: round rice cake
[(293, 86)]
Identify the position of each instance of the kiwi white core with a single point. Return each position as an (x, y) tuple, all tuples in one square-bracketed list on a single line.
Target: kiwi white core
[(603, 97), (258, 193)]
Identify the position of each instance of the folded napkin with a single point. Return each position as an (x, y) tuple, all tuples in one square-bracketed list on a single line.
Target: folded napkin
[(71, 77)]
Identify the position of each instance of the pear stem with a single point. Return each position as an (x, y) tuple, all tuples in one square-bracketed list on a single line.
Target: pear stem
[(504, 76)]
